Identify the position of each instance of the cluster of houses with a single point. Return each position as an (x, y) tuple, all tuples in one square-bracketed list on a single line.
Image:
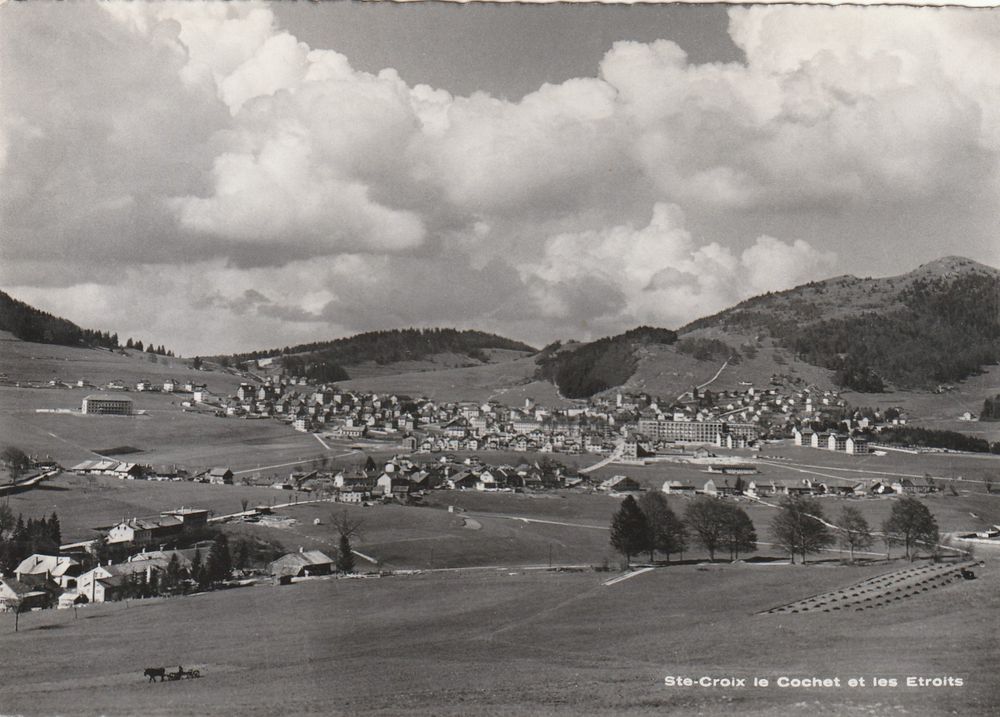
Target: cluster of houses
[(44, 581), (405, 479)]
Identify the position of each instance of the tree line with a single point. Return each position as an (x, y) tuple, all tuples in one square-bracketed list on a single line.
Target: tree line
[(20, 538), (799, 527), (393, 345), (30, 324)]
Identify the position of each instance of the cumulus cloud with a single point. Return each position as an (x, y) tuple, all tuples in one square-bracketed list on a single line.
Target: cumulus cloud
[(661, 275), (197, 155)]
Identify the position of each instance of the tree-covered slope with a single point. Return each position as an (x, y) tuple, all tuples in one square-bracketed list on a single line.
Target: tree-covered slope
[(30, 324), (591, 368), (324, 360), (937, 324)]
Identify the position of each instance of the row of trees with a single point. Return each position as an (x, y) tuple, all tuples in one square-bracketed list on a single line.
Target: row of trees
[(934, 438), (991, 409), (150, 349), (393, 345), (800, 528)]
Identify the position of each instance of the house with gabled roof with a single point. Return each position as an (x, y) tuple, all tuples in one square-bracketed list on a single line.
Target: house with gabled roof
[(16, 594), (59, 568), (301, 564)]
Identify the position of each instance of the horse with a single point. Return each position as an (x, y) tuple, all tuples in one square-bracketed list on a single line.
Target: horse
[(153, 672)]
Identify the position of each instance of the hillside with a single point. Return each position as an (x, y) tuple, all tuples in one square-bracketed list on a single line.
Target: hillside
[(583, 370), (387, 352), (937, 324), (30, 324)]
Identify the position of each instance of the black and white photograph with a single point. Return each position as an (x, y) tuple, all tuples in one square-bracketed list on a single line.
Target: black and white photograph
[(502, 359)]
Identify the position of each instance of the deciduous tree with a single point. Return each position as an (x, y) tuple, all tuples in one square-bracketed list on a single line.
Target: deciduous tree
[(799, 528), (630, 531), (854, 531), (706, 519), (667, 532), (911, 524), (738, 531)]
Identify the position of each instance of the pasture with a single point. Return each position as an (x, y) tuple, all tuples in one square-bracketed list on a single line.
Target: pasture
[(24, 361), (85, 502), (164, 434), (510, 642)]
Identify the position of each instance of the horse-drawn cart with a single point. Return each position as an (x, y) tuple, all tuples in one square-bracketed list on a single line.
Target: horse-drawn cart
[(182, 674), (161, 672)]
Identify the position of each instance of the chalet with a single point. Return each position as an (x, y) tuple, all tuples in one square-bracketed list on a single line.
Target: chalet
[(619, 484), (302, 563), (718, 487), (129, 471), (189, 517), (836, 442), (169, 385), (15, 594), (108, 582), (676, 487), (914, 486), (818, 440), (61, 569), (354, 495), (145, 530), (461, 481), (220, 476)]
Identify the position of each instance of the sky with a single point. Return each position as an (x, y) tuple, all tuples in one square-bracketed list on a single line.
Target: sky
[(221, 177)]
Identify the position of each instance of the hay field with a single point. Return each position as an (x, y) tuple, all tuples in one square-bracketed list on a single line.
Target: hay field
[(509, 642)]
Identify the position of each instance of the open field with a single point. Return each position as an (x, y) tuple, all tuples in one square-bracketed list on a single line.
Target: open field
[(165, 434), (26, 361), (511, 643), (665, 371), (942, 410), (85, 502)]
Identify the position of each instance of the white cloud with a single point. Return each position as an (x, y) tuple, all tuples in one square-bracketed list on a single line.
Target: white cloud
[(200, 139)]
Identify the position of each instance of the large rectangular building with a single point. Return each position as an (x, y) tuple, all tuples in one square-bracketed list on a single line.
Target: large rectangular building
[(693, 431), (107, 404)]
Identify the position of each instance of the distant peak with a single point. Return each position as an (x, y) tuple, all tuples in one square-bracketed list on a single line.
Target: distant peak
[(952, 265)]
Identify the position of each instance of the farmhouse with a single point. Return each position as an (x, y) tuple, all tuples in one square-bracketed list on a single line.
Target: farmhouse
[(718, 487), (107, 583), (619, 484), (220, 476), (14, 593), (145, 530), (305, 562), (676, 487), (61, 569), (105, 404), (912, 486)]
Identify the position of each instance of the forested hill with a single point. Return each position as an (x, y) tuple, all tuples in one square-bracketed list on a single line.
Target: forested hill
[(937, 324), (384, 347), (591, 368), (30, 324)]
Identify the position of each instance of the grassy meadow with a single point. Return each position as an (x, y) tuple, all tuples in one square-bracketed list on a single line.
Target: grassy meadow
[(509, 642)]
